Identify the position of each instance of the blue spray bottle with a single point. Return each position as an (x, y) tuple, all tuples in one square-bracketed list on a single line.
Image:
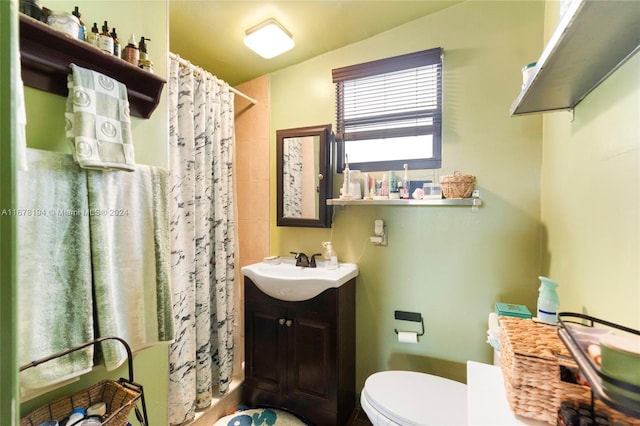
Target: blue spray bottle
[(548, 301)]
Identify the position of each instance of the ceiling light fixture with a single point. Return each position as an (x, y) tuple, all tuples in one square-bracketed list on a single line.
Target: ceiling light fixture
[(268, 39)]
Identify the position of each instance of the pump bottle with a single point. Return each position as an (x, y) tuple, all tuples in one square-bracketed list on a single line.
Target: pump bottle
[(330, 256), (143, 48), (548, 301)]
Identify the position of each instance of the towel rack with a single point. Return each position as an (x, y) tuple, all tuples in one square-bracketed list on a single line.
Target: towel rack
[(130, 384)]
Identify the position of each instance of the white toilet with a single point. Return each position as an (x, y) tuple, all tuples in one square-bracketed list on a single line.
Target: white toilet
[(408, 398)]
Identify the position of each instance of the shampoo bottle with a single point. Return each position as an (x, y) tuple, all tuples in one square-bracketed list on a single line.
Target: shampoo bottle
[(330, 256), (548, 301)]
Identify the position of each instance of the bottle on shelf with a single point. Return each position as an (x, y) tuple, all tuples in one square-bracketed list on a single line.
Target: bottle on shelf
[(144, 61), (116, 42), (405, 183), (130, 53), (92, 37), (105, 42), (82, 33), (143, 48)]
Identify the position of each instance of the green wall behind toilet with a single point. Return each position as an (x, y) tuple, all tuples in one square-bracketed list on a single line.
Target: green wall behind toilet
[(448, 263)]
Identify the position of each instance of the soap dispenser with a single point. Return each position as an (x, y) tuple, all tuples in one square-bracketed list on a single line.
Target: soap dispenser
[(330, 256), (548, 301)]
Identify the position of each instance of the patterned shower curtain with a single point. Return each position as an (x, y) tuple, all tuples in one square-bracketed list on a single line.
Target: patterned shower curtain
[(201, 132)]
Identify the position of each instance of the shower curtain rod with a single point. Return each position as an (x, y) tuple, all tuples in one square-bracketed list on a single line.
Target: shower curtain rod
[(186, 63)]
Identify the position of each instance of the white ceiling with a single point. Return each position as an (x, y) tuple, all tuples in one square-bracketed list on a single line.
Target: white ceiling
[(209, 33)]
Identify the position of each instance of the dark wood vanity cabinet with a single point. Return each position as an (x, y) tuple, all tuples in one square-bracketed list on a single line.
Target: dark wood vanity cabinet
[(300, 356)]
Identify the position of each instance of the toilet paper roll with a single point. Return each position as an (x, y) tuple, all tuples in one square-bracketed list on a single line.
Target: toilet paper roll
[(407, 337)]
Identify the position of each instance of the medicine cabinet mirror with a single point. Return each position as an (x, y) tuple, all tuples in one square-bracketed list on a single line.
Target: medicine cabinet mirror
[(304, 176)]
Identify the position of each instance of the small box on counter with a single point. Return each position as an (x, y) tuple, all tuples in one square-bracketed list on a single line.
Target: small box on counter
[(512, 310)]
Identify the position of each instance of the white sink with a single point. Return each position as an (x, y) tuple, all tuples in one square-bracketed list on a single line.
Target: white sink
[(288, 282)]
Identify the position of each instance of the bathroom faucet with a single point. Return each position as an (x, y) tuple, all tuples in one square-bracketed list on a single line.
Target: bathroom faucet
[(303, 260)]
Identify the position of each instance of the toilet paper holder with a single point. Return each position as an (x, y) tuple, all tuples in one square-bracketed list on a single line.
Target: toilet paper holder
[(410, 316)]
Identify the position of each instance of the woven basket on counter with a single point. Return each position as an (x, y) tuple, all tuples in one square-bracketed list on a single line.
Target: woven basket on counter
[(119, 401), (457, 185), (531, 357)]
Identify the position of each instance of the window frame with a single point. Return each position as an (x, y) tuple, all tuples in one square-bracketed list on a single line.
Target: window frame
[(384, 66)]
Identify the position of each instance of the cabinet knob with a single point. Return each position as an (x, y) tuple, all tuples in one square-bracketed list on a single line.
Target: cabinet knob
[(281, 321), (289, 322)]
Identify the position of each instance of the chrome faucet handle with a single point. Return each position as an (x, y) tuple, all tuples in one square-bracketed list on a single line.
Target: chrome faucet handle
[(312, 263)]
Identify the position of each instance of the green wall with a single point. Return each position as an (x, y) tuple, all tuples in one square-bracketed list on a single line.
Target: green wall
[(448, 263), (8, 354), (45, 130), (591, 197)]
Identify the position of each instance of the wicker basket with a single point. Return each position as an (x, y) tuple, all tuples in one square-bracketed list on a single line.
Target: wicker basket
[(118, 398), (457, 185), (531, 356)]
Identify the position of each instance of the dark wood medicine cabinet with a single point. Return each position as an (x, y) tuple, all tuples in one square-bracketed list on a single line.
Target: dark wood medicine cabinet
[(46, 55)]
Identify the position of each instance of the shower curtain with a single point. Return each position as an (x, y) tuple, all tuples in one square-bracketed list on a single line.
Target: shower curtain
[(201, 132)]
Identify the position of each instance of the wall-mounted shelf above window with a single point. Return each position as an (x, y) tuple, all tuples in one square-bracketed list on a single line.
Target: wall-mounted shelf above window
[(592, 40), (474, 202), (46, 55)]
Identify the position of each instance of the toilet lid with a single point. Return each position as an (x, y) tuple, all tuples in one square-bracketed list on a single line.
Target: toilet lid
[(412, 398)]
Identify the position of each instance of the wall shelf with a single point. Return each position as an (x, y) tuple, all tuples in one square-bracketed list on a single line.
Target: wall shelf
[(474, 202), (46, 55), (592, 40)]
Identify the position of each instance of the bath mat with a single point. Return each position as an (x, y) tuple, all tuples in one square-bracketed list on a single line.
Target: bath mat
[(260, 417)]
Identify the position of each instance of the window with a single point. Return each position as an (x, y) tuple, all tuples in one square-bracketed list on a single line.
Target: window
[(389, 112)]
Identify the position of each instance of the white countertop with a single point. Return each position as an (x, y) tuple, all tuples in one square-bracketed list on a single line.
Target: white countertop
[(487, 399)]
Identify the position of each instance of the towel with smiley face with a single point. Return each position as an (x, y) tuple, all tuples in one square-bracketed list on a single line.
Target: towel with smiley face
[(98, 125)]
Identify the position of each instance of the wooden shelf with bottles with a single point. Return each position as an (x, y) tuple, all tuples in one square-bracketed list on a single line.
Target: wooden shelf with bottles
[(46, 55)]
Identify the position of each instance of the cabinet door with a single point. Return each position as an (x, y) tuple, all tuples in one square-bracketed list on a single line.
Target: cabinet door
[(312, 345), (265, 343)]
